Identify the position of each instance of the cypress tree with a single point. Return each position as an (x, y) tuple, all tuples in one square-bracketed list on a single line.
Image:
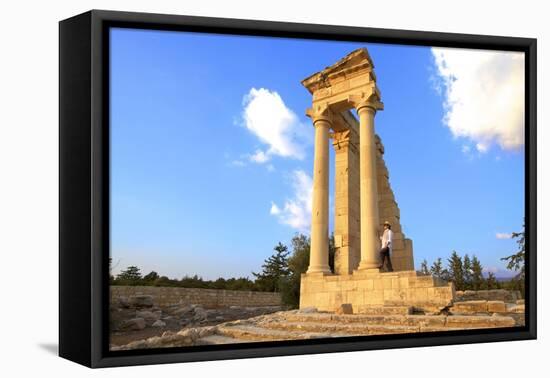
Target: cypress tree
[(468, 272), (424, 267), (491, 281), (456, 270), (477, 274), (274, 269), (129, 276)]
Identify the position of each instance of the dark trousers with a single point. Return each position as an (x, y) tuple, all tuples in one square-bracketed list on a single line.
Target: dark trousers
[(385, 258)]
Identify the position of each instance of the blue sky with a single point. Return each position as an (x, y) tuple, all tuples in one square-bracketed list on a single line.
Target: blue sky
[(211, 153)]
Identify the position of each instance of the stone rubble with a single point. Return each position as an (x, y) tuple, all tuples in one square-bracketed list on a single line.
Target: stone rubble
[(138, 317), (310, 323)]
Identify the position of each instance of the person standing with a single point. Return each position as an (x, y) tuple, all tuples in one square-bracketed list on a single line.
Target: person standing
[(386, 249)]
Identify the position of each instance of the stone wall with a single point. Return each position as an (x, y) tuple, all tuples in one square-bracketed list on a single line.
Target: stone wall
[(388, 210), (372, 288), (165, 296), (347, 222), (509, 296)]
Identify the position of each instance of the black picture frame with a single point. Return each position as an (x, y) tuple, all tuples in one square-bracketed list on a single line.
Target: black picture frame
[(84, 186)]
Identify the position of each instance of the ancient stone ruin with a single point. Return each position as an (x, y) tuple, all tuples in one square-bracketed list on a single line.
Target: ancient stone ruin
[(202, 327), (363, 201), (357, 298)]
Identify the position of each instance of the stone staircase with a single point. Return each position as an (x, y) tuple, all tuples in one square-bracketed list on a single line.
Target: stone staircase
[(309, 324), (291, 326)]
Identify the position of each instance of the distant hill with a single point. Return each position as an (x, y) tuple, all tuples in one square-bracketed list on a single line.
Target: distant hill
[(502, 276)]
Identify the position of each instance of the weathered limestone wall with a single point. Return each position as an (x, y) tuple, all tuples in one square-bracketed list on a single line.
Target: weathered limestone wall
[(347, 226), (491, 295), (405, 288), (402, 253), (347, 222), (165, 296)]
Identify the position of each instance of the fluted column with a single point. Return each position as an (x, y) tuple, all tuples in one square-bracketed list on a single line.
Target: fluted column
[(370, 242), (318, 258)]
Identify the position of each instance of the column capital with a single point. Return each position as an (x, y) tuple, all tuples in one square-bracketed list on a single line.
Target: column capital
[(367, 101), (341, 139), (320, 113)]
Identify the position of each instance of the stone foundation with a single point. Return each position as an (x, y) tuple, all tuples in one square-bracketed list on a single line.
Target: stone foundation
[(372, 288)]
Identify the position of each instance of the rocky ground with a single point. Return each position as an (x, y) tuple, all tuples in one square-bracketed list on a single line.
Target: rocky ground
[(200, 326), (138, 318)]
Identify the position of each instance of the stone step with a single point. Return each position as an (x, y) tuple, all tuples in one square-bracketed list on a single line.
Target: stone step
[(345, 329), (406, 320), (473, 321), (454, 321), (256, 333), (384, 310), (405, 325), (218, 339)]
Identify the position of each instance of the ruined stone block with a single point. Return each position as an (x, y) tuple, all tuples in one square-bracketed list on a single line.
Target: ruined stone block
[(496, 306), (470, 307), (344, 308)]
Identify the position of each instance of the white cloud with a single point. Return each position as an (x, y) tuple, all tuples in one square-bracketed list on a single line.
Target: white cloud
[(503, 235), (296, 212), (482, 147), (490, 269), (259, 157), (267, 117), (274, 209), (237, 163), (484, 95)]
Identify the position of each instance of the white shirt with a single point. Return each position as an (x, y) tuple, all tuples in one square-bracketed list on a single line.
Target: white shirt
[(387, 239)]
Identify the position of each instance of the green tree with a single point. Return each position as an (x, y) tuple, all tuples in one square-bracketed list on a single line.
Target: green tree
[(219, 284), (242, 283), (468, 272), (437, 270), (274, 269), (165, 281), (516, 262), (424, 267), (298, 263), (130, 276), (149, 278), (111, 277), (477, 274), (492, 282), (193, 282), (456, 270)]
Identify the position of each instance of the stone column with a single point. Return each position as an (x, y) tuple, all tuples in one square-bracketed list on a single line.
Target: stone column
[(346, 201), (318, 258), (370, 242)]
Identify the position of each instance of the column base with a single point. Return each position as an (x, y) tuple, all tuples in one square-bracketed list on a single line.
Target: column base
[(367, 272), (364, 265), (320, 269)]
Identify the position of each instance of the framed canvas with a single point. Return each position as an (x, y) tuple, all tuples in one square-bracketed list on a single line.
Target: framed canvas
[(234, 188)]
